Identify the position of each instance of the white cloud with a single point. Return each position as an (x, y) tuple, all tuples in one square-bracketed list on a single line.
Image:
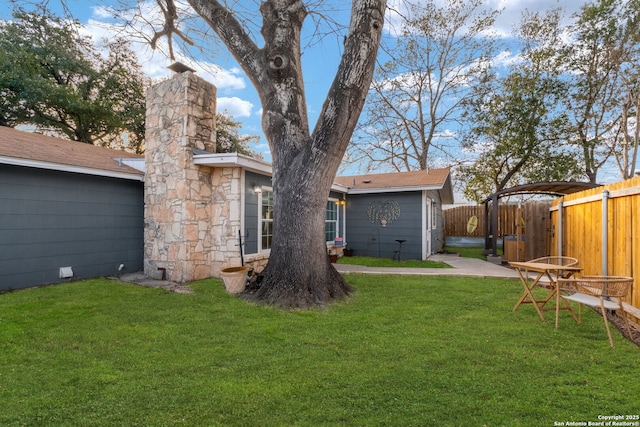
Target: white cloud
[(446, 134), (235, 106), (505, 59), (512, 11), (232, 78), (155, 62), (102, 12), (509, 17)]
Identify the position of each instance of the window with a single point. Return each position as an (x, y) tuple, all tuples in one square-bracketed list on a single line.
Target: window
[(265, 216), (434, 219), (331, 221), (266, 219)]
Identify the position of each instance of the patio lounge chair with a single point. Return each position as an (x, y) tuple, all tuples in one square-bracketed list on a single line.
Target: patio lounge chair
[(599, 291)]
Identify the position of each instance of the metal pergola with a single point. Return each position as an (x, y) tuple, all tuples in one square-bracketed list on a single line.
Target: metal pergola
[(557, 189)]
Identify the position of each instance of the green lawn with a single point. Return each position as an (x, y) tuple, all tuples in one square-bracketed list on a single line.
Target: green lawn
[(470, 252), (403, 351)]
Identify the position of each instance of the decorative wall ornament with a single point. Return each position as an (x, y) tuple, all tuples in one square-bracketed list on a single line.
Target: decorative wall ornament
[(384, 212)]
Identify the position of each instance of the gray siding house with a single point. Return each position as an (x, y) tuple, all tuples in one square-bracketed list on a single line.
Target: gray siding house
[(203, 208), (368, 213), (68, 210), (397, 212)]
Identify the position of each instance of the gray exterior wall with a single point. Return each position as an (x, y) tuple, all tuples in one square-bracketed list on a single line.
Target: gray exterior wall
[(51, 219), (372, 239)]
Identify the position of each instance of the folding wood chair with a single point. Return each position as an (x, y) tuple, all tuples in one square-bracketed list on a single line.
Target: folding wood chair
[(567, 261), (599, 291)]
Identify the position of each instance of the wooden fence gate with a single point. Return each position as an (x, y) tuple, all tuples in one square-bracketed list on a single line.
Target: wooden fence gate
[(537, 229)]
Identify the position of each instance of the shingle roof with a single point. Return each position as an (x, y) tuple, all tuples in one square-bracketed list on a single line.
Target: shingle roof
[(419, 178), (432, 179), (54, 153), (35, 149)]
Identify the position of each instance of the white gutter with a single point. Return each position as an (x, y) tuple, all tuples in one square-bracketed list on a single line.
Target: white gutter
[(133, 162), (69, 168), (340, 188), (228, 160), (354, 190)]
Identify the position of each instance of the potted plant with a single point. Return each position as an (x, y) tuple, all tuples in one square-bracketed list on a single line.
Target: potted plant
[(348, 251)]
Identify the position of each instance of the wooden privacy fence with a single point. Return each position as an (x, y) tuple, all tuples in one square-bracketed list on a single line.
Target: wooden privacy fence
[(456, 219), (532, 219), (600, 227)]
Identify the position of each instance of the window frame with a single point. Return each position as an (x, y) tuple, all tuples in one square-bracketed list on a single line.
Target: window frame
[(434, 219), (334, 201), (262, 220)]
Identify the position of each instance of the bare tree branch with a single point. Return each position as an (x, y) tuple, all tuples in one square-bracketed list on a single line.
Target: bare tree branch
[(169, 11)]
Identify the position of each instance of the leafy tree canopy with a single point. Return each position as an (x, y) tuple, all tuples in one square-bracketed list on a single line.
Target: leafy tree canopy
[(61, 82), (229, 139), (516, 132)]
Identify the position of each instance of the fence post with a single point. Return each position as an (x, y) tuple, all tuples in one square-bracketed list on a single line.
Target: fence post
[(494, 224), (560, 209), (487, 232), (605, 232)]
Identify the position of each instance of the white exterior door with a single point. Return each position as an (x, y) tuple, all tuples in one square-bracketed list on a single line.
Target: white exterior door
[(427, 215)]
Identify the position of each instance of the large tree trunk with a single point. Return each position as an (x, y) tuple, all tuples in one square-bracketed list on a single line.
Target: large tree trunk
[(298, 273)]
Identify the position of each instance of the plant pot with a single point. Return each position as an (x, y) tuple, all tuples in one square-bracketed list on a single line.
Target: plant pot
[(234, 278), (333, 258), (348, 252)]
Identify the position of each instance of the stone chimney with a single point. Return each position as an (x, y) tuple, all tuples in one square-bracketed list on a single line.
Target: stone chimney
[(178, 194)]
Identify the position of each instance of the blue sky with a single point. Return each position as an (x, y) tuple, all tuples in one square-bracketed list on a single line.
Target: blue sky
[(235, 93)]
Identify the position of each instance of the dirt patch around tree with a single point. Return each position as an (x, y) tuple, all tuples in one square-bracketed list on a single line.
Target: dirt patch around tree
[(140, 279)]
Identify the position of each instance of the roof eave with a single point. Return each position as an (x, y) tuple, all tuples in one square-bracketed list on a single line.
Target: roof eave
[(446, 193), (354, 190), (229, 160), (70, 168), (339, 188)]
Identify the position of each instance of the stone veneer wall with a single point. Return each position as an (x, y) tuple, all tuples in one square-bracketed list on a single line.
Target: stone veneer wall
[(226, 209), (191, 211)]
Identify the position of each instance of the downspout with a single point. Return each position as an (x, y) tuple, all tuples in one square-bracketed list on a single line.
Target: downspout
[(605, 232), (560, 212), (344, 219)]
